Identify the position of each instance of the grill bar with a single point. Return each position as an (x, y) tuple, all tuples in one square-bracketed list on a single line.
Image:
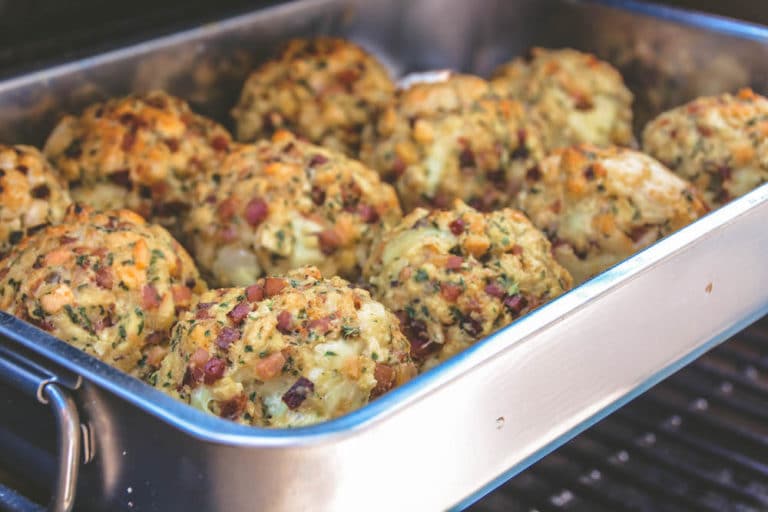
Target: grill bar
[(697, 441)]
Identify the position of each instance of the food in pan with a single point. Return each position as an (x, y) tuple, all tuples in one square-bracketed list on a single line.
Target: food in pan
[(32, 194), (325, 90), (285, 351), (453, 139), (108, 283), (277, 205), (140, 152), (579, 97), (601, 205), (455, 276), (719, 143)]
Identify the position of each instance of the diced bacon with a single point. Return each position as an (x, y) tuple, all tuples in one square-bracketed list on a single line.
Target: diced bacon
[(150, 299), (270, 367)]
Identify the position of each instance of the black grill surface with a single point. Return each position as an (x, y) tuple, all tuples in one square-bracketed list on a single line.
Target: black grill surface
[(697, 441)]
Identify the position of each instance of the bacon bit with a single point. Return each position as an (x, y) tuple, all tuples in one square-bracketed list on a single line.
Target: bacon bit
[(102, 323), (320, 325), (450, 291), (329, 241), (533, 174), (39, 263), (128, 140), (385, 379), (203, 312), (45, 325), (515, 303), (192, 377), (705, 131), (589, 173), (398, 167), (150, 299), (317, 160), (104, 278), (227, 336), (471, 326), (556, 206), (181, 294), (254, 293), (173, 145), (318, 195), (41, 192), (582, 102), (725, 172), (231, 409), (269, 367), (121, 177), (454, 262), (494, 289), (64, 240), (256, 211), (227, 208), (417, 334), (347, 76), (285, 322), (296, 395), (51, 278), (273, 286), (214, 370), (457, 227), (220, 143), (638, 232), (466, 158), (156, 338), (368, 214), (517, 250), (239, 312)]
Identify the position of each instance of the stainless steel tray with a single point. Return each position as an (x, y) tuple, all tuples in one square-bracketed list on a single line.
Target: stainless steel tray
[(458, 430)]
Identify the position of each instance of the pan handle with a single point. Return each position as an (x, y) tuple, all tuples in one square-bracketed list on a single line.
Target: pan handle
[(47, 389)]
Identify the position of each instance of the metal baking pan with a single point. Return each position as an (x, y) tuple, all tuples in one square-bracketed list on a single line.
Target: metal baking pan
[(456, 431)]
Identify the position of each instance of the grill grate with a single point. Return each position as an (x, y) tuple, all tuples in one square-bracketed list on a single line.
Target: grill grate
[(697, 441)]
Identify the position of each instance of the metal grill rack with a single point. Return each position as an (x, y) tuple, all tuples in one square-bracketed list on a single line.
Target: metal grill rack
[(698, 441)]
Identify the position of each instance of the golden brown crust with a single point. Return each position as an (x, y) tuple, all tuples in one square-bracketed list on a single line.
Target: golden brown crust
[(324, 89), (140, 152), (578, 97), (454, 139), (32, 194), (719, 143), (453, 277), (280, 204), (107, 283), (601, 205), (285, 352)]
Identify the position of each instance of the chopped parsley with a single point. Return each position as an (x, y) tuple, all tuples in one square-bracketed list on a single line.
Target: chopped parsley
[(421, 275), (349, 331)]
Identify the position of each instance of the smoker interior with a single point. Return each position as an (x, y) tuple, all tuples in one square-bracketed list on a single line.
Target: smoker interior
[(697, 441)]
